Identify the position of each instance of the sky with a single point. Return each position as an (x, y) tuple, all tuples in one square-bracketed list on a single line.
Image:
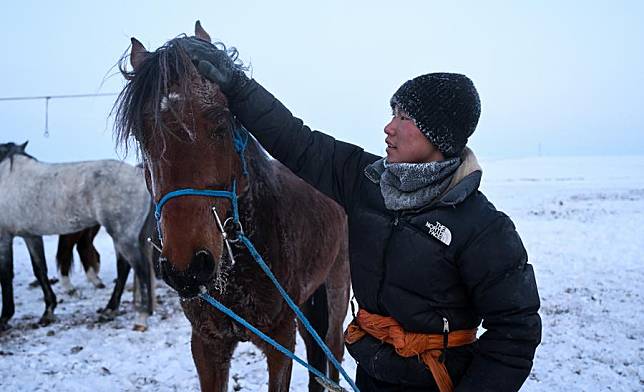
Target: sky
[(555, 78)]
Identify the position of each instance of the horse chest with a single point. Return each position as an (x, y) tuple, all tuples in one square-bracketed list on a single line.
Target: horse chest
[(262, 311)]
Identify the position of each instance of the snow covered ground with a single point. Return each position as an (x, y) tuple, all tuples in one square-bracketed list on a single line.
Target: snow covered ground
[(581, 219)]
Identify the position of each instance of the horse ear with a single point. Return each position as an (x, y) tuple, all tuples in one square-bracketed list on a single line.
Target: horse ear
[(201, 33), (137, 54), (23, 145)]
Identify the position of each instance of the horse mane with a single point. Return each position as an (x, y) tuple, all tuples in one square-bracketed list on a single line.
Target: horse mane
[(13, 152), (168, 69), (146, 86)]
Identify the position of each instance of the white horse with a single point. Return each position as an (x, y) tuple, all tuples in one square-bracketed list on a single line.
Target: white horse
[(38, 199)]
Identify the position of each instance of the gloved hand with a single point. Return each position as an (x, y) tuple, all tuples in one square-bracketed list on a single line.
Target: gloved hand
[(215, 64)]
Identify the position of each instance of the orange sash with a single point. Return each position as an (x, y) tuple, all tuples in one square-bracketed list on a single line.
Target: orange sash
[(407, 344)]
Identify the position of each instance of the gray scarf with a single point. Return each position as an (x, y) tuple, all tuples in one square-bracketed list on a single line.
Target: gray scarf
[(407, 186)]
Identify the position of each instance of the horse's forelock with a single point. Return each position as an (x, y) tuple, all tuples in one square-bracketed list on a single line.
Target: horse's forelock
[(164, 81)]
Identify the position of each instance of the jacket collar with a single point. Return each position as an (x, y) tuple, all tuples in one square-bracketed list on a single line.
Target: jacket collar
[(466, 180)]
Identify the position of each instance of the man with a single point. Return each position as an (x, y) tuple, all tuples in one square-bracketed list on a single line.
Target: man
[(430, 257)]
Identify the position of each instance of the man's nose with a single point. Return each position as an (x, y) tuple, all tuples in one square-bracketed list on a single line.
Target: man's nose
[(389, 128)]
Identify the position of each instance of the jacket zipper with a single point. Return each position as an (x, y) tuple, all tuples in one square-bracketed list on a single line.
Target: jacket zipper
[(396, 218), (441, 358)]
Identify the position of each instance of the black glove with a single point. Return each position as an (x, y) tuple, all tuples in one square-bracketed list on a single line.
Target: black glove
[(215, 64)]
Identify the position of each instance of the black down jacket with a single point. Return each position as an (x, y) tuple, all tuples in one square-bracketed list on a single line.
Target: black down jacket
[(458, 259)]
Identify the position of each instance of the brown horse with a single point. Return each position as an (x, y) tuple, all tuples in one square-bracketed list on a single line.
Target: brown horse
[(185, 134), (87, 253)]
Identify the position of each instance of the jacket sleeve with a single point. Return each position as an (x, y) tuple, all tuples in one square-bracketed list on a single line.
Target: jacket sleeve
[(333, 167), (503, 290)]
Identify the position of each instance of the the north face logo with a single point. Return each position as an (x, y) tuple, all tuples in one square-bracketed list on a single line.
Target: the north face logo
[(439, 231)]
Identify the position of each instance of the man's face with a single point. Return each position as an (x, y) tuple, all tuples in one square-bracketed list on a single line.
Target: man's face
[(406, 143)]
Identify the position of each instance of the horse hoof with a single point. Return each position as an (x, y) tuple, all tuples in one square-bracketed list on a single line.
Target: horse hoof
[(100, 286), (139, 328), (107, 315), (46, 319), (35, 283), (4, 326)]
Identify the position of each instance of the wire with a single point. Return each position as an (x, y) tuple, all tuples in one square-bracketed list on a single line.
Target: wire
[(49, 97), (58, 96)]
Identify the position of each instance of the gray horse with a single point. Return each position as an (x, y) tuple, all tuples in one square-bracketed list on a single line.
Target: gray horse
[(39, 199)]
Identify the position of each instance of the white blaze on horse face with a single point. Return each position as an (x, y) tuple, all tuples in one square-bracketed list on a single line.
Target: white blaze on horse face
[(165, 101)]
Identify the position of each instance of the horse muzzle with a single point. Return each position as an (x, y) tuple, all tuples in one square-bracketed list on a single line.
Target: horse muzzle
[(200, 271)]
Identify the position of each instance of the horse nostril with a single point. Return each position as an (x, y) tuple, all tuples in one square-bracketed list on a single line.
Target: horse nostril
[(202, 265)]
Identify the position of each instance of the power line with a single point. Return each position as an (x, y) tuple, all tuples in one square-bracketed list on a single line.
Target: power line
[(57, 96), (48, 97)]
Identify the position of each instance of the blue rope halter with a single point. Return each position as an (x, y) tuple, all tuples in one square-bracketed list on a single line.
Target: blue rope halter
[(240, 142), (232, 195)]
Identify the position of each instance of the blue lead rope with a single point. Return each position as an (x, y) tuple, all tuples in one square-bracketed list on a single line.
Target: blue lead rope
[(258, 258), (222, 308)]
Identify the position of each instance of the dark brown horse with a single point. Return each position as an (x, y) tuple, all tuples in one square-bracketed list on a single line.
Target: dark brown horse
[(87, 253), (185, 131)]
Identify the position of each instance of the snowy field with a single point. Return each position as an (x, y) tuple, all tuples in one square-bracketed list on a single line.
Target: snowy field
[(581, 219)]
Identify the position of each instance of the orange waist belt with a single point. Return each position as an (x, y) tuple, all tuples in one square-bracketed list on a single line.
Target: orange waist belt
[(407, 344)]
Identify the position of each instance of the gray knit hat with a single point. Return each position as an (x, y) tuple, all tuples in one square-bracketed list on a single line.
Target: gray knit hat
[(445, 107)]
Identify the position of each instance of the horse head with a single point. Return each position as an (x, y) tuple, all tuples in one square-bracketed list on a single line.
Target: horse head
[(186, 137)]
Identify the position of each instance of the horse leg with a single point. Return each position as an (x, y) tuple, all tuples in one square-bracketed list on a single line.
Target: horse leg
[(131, 251), (6, 281), (39, 264), (145, 307), (149, 230), (64, 258), (122, 272), (212, 360), (279, 365), (337, 284), (315, 310), (144, 284), (89, 256)]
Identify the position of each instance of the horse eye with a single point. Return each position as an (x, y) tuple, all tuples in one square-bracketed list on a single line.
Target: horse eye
[(218, 134)]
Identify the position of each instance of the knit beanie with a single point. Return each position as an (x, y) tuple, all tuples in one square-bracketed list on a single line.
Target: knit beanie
[(444, 106)]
